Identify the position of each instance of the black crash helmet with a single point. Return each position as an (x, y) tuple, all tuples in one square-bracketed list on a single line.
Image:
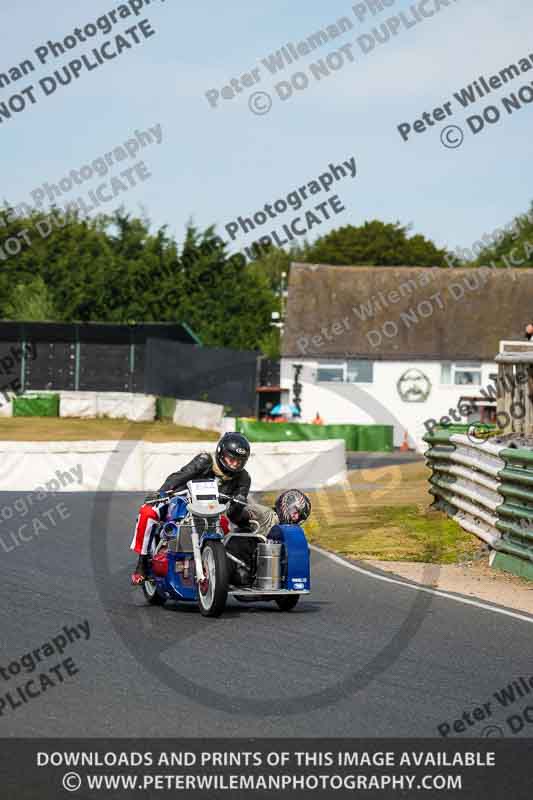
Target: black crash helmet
[(232, 453), (292, 507)]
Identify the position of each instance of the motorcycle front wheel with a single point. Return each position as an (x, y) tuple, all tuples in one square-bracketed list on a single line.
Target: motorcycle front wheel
[(213, 592)]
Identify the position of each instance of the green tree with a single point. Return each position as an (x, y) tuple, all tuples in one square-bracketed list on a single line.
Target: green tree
[(270, 343), (31, 302), (72, 256), (273, 263), (223, 300), (513, 244), (374, 243), (113, 268)]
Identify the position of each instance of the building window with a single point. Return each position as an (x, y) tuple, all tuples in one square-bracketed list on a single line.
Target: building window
[(446, 373), (461, 374), (330, 373), (360, 371), (348, 372)]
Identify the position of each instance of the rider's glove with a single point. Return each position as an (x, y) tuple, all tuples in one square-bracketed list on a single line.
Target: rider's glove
[(237, 513)]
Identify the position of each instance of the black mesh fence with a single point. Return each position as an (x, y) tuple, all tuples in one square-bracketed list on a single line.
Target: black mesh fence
[(212, 374), (156, 358), (81, 356)]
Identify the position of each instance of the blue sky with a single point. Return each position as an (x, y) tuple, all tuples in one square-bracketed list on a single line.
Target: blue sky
[(216, 164)]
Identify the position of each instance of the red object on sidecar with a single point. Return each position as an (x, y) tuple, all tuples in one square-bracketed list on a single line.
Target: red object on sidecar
[(224, 524), (160, 565)]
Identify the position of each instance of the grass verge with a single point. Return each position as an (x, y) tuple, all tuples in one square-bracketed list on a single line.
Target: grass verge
[(44, 429), (384, 514), (396, 533)]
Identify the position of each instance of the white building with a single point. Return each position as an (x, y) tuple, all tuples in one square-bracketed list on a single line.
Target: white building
[(399, 346)]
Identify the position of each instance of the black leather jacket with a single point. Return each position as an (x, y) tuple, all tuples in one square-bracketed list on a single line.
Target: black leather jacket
[(202, 467)]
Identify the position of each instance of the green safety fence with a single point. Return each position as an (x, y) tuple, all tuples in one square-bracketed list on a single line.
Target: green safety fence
[(488, 490), (375, 438), (37, 405), (515, 515), (165, 407)]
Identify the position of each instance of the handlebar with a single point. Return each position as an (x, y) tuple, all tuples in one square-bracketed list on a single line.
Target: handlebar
[(166, 497), (184, 492), (233, 500)]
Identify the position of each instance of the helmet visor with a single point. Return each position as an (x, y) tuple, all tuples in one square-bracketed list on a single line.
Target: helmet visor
[(233, 462)]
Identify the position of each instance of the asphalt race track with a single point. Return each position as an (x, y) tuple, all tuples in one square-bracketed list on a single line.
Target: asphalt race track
[(362, 460), (359, 657)]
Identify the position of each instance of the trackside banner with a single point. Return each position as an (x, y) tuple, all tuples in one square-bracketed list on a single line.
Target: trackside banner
[(253, 768)]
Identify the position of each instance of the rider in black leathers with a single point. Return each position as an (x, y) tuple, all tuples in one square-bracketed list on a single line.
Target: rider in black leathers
[(205, 466), (227, 464)]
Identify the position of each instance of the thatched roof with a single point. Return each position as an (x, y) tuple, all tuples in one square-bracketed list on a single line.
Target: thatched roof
[(341, 306)]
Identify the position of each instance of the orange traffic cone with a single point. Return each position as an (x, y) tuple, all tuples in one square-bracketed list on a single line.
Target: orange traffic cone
[(404, 447)]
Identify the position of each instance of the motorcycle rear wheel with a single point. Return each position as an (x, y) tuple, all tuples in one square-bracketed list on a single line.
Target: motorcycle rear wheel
[(213, 600), (151, 594), (287, 603)]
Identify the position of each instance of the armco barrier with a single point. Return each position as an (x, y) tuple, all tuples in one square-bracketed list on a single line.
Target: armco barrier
[(376, 438), (143, 466), (487, 488)]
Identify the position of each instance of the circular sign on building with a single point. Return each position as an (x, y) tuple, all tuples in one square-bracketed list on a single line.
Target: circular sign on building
[(414, 386)]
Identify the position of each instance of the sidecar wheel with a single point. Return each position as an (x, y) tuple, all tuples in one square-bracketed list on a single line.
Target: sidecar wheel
[(287, 603), (213, 596), (151, 595)]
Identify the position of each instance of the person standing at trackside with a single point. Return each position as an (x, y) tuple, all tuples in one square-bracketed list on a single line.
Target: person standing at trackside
[(318, 419), (529, 331)]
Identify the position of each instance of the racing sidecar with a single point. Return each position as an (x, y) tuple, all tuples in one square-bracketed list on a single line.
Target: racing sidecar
[(194, 561)]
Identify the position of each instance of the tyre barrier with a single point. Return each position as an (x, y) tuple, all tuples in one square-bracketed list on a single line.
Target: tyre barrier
[(487, 488)]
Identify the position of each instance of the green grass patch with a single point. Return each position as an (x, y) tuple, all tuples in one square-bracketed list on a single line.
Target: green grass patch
[(395, 533), (50, 429)]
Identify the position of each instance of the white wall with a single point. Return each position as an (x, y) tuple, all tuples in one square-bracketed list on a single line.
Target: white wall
[(143, 466), (379, 403), (206, 416)]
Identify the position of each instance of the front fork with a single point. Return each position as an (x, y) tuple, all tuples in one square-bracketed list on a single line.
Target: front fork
[(199, 567)]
